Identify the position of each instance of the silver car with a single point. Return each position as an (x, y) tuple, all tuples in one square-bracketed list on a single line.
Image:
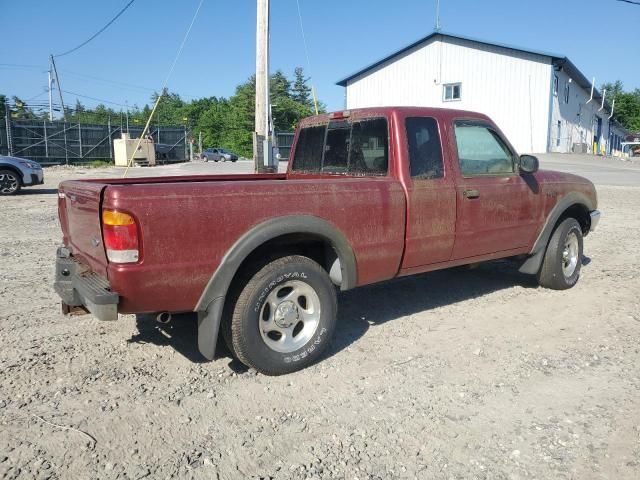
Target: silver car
[(16, 173), (218, 154)]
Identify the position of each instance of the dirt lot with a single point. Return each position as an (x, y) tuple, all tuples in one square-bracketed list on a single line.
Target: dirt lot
[(475, 374)]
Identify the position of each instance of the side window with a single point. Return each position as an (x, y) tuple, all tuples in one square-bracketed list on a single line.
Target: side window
[(481, 151), (369, 150), (425, 152), (308, 154)]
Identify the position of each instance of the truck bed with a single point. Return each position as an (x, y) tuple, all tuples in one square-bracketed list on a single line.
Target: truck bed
[(187, 224)]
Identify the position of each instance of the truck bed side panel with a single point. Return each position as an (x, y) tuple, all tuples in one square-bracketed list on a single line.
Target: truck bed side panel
[(188, 227)]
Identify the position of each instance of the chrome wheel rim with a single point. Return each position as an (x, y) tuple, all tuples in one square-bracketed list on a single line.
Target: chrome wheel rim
[(8, 183), (290, 316), (570, 254)]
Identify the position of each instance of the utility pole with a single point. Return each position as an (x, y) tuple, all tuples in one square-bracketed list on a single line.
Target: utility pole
[(7, 111), (127, 103), (262, 151), (55, 73), (50, 96), (437, 15)]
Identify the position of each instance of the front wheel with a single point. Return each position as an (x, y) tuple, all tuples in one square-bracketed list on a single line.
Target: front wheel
[(9, 182), (560, 268), (284, 317)]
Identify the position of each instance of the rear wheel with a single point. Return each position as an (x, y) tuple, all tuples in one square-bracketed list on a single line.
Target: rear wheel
[(9, 182), (284, 317), (562, 260)]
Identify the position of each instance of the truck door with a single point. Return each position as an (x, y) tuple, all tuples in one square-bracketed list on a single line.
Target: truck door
[(431, 208), (497, 207)]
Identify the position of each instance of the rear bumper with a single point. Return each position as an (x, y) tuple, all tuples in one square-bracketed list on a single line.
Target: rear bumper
[(595, 218), (78, 286)]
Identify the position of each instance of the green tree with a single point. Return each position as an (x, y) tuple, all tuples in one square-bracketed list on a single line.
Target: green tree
[(627, 107), (301, 92), (21, 110)]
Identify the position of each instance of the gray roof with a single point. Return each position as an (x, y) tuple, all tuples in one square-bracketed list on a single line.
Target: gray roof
[(558, 60)]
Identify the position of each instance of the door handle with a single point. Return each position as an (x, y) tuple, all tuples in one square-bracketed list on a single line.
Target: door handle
[(471, 194)]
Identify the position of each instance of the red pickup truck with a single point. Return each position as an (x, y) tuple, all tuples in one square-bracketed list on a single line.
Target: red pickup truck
[(369, 195)]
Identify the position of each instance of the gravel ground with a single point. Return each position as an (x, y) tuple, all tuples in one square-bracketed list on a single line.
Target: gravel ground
[(453, 375)]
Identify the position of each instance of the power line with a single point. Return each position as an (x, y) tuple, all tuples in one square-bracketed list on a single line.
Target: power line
[(98, 32), (19, 65), (94, 98), (630, 1), (118, 83)]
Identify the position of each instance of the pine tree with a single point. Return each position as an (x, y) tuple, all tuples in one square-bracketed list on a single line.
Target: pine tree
[(301, 92)]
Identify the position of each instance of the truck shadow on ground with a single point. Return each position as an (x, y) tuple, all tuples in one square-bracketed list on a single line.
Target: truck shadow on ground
[(38, 191), (359, 309)]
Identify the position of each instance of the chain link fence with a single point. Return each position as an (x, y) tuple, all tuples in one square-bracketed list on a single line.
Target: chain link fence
[(72, 143)]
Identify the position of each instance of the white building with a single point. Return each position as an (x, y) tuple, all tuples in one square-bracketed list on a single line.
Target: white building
[(540, 100)]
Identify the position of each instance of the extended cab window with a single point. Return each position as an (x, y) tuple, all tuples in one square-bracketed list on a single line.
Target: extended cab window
[(425, 152), (360, 147), (481, 151)]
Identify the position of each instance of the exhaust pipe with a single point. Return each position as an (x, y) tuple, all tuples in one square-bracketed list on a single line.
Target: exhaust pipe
[(163, 317)]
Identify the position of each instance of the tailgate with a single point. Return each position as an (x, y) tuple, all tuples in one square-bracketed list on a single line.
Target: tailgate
[(79, 212)]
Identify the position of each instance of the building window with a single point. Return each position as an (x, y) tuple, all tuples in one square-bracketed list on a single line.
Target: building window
[(559, 133), (555, 85), (451, 92), (566, 92)]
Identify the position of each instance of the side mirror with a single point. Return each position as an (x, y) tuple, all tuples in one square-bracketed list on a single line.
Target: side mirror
[(529, 164)]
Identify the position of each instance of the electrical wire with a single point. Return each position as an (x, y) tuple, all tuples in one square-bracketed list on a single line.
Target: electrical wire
[(118, 83), (94, 98), (306, 52), (164, 85), (19, 65), (184, 41), (98, 32)]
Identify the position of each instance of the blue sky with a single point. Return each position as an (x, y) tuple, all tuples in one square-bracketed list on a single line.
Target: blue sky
[(133, 56)]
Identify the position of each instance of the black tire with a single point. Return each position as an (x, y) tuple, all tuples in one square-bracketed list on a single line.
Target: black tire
[(10, 183), (555, 272), (250, 342)]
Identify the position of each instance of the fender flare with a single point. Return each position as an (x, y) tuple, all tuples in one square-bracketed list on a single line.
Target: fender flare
[(14, 169), (533, 263), (211, 302)]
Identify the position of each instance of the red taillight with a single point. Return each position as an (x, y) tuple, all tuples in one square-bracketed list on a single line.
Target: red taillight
[(120, 234)]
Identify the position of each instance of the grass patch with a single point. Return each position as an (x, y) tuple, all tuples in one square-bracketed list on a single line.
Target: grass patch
[(100, 164)]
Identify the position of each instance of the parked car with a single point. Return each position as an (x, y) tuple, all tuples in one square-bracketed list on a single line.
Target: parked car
[(218, 154), (16, 173), (369, 195)]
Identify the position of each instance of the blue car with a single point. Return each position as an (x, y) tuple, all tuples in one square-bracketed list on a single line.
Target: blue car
[(16, 173)]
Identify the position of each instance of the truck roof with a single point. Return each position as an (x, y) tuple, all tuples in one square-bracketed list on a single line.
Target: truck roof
[(388, 111)]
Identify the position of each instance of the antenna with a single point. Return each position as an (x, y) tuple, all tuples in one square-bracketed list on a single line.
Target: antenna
[(437, 15)]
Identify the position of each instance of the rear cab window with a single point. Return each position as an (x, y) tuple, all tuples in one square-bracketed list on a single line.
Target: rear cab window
[(358, 147)]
